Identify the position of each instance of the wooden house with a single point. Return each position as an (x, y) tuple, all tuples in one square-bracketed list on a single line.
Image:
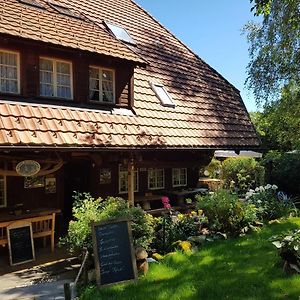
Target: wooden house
[(97, 96)]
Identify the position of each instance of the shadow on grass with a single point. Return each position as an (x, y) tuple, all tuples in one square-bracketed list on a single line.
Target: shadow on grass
[(241, 268)]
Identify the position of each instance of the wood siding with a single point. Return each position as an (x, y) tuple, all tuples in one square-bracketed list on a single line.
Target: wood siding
[(29, 70)]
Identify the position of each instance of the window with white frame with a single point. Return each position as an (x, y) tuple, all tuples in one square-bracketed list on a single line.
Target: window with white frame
[(156, 179), (123, 179), (9, 72), (179, 176), (102, 85), (2, 191), (56, 78)]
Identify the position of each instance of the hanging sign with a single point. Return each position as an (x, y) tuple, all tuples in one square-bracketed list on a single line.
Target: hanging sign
[(28, 168)]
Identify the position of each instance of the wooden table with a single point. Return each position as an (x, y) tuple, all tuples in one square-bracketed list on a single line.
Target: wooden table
[(42, 221), (181, 195), (145, 201)]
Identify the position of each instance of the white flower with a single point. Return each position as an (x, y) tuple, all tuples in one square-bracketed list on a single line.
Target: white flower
[(251, 191), (258, 201), (257, 189), (274, 187), (261, 189), (268, 186)]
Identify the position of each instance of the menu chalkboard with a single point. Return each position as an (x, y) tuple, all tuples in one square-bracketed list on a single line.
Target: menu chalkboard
[(20, 243), (113, 252)]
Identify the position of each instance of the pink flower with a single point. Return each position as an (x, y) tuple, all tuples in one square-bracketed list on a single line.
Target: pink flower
[(166, 202)]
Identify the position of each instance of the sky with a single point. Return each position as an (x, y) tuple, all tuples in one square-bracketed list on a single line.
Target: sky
[(213, 30)]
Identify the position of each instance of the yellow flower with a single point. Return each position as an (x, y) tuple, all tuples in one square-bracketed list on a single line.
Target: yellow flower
[(200, 212), (157, 256), (180, 217), (185, 245), (193, 213)]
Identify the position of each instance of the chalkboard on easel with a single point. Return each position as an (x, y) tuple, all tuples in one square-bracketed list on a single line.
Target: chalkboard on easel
[(20, 243), (113, 252)]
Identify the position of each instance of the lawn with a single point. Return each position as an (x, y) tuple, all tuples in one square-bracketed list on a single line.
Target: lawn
[(242, 268)]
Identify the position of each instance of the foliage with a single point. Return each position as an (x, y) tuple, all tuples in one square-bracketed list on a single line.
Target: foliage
[(283, 170), (278, 125), (273, 47), (239, 268), (269, 207), (242, 173), (214, 168), (261, 7), (86, 209), (173, 227), (288, 246), (225, 212)]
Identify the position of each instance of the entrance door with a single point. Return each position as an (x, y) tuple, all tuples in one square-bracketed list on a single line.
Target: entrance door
[(77, 178)]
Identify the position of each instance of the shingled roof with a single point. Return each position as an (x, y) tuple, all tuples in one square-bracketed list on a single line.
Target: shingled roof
[(208, 112)]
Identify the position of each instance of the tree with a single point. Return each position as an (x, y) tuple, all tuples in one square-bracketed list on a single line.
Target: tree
[(279, 124), (261, 7), (274, 48)]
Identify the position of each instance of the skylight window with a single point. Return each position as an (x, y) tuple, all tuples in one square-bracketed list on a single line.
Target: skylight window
[(65, 10), (120, 33), (162, 94), (32, 3)]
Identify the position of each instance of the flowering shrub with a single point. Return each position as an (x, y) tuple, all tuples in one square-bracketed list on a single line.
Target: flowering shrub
[(225, 212), (241, 174), (269, 207), (86, 209), (174, 226)]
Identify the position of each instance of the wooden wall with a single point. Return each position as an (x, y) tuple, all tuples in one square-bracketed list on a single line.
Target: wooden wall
[(30, 52), (81, 173)]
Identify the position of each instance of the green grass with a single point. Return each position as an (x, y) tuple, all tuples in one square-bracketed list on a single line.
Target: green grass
[(243, 268)]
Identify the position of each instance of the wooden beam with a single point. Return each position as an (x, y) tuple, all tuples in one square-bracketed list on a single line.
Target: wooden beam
[(131, 182)]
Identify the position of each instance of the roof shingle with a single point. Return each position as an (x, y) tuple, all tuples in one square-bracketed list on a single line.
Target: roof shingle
[(209, 111)]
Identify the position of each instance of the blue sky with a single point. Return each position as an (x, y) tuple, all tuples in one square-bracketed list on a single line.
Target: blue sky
[(212, 29)]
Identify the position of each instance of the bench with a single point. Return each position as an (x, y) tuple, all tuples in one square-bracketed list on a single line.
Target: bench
[(42, 226)]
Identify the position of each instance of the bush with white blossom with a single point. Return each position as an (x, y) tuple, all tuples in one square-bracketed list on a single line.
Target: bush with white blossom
[(269, 207)]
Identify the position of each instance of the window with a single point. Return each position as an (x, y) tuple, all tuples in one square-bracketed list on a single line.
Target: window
[(55, 78), (9, 72), (120, 33), (162, 94), (179, 176), (2, 191), (123, 180), (102, 85), (156, 179)]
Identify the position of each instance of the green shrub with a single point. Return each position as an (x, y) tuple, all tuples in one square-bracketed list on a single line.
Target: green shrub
[(288, 245), (269, 207), (283, 170), (225, 212), (214, 168), (173, 227), (86, 209), (241, 174)]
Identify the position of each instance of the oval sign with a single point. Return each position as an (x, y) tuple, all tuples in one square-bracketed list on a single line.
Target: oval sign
[(28, 168)]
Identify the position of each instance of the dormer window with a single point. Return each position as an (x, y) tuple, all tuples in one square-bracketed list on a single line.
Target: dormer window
[(120, 33), (9, 72), (55, 78), (162, 94), (102, 85)]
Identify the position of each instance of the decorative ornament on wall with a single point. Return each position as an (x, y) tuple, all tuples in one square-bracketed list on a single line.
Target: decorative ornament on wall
[(28, 168)]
